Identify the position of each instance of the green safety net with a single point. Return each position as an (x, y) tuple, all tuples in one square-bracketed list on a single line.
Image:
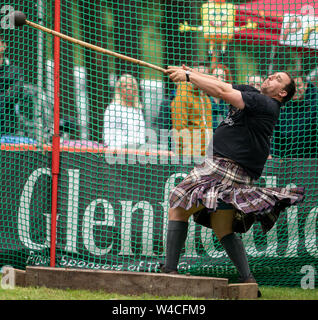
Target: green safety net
[(128, 134)]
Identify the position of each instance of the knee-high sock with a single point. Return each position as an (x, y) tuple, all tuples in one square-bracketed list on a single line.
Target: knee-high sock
[(176, 236), (234, 247)]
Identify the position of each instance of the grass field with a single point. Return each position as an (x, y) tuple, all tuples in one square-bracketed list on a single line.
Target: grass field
[(20, 293)]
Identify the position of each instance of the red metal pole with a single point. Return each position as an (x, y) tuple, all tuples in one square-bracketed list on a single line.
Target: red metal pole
[(56, 135)]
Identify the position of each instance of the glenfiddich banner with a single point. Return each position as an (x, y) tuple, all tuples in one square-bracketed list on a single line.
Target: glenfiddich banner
[(112, 215)]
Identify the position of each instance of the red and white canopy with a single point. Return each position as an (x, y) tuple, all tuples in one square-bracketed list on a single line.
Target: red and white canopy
[(279, 22)]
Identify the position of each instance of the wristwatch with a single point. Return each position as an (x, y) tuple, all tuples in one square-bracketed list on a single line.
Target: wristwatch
[(188, 75)]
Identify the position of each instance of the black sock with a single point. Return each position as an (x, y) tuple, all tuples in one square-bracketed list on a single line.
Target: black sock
[(176, 236), (234, 247)]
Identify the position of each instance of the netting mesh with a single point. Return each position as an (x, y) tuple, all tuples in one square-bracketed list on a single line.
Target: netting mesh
[(128, 134)]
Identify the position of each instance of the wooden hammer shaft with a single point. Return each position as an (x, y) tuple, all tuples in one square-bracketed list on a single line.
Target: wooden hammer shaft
[(93, 47)]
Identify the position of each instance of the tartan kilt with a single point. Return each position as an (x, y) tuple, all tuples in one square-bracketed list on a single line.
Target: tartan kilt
[(220, 179)]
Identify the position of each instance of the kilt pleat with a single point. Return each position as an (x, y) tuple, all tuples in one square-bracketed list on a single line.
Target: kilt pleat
[(219, 179)]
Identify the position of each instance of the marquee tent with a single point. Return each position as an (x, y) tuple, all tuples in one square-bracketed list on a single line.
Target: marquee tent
[(272, 17)]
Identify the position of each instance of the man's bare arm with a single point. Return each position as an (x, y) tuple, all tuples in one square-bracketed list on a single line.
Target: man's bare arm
[(211, 85)]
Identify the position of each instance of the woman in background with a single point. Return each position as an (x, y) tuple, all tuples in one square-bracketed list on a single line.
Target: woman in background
[(124, 122)]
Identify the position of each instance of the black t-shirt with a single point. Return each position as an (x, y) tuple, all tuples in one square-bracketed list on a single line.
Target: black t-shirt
[(244, 136)]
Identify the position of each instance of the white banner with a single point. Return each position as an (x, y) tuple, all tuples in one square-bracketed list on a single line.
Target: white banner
[(300, 31)]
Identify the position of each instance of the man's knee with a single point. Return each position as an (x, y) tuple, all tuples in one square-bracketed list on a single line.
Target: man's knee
[(178, 214), (222, 222), (181, 214)]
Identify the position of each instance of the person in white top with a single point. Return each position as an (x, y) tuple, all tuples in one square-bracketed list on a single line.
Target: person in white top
[(124, 122)]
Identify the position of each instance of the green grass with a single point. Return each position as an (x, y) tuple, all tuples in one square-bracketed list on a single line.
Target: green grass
[(41, 293), (283, 293)]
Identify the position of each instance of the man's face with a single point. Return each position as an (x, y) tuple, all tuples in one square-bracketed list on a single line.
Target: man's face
[(301, 87), (274, 85), (3, 46), (202, 69), (128, 90), (219, 73)]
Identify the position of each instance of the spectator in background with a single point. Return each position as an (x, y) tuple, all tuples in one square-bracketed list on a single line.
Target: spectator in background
[(220, 107), (11, 88), (124, 122), (191, 115), (164, 121), (296, 134), (254, 81)]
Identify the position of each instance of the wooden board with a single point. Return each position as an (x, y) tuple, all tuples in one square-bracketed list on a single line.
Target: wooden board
[(137, 283)]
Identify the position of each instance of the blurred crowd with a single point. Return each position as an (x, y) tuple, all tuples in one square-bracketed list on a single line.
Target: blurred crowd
[(186, 117)]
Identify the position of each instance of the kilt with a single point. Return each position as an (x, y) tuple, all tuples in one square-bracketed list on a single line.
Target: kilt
[(221, 180)]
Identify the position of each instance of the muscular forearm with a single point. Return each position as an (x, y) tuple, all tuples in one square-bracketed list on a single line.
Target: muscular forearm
[(209, 84)]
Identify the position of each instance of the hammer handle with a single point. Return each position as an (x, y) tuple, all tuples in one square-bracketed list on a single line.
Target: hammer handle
[(93, 47)]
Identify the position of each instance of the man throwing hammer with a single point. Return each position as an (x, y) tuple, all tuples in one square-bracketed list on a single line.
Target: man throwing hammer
[(220, 191)]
